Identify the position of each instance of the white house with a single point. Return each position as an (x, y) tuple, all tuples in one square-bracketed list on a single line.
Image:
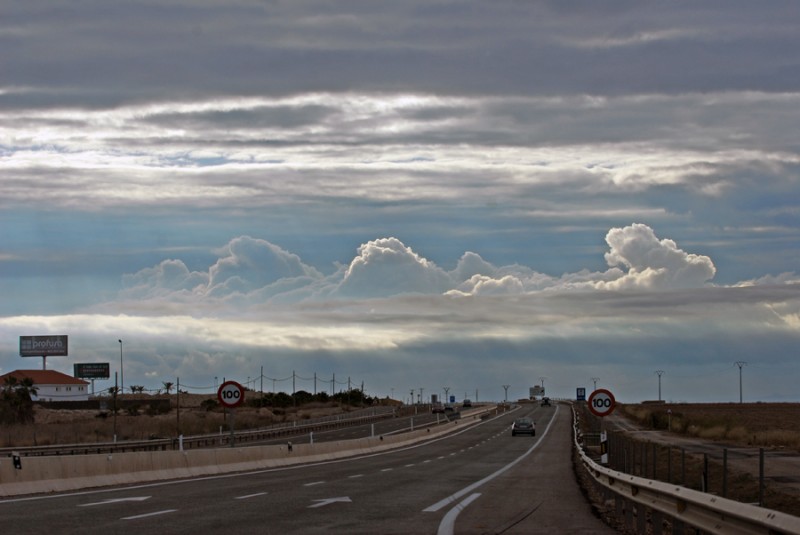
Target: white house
[(52, 385)]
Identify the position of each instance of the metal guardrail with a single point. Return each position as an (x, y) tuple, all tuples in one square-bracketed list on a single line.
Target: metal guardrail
[(682, 506), (203, 441)]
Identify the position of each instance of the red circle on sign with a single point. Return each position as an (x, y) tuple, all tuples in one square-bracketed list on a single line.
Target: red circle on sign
[(230, 394), (601, 402)]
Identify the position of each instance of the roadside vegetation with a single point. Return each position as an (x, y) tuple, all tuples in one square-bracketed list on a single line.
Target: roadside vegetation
[(762, 425), (16, 405), (139, 418), (768, 425)]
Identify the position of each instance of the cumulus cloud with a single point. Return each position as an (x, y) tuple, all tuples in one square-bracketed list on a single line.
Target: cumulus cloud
[(251, 271), (388, 267), (653, 263), (471, 264), (250, 264), (483, 285), (167, 277), (247, 266)]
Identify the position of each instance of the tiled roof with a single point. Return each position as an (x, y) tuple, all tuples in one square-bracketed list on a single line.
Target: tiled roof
[(44, 377)]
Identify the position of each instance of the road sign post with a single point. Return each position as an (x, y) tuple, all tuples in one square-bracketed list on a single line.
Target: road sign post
[(230, 396)]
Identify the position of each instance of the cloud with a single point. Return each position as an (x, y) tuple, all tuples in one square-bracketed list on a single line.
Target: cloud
[(653, 263), (250, 264), (167, 277), (254, 271), (471, 264), (388, 267), (483, 285)]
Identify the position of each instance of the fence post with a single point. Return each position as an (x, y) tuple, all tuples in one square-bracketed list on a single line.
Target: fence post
[(655, 460), (683, 467), (761, 477), (669, 464), (644, 459), (725, 472)]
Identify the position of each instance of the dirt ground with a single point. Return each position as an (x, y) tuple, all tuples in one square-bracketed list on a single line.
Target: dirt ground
[(768, 425), (62, 426), (681, 435)]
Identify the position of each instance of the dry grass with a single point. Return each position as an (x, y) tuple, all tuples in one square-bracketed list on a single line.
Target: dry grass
[(57, 426), (769, 425), (756, 424)]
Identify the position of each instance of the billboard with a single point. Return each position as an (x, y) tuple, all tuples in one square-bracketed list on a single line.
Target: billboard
[(536, 391), (92, 370), (43, 346)]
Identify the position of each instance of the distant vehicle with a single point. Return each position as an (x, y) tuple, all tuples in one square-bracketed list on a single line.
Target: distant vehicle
[(546, 402), (523, 426), (467, 403), (437, 407)]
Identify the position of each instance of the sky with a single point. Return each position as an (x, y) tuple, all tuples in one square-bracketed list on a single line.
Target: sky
[(439, 196)]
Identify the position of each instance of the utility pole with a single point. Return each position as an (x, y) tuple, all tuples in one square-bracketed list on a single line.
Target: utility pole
[(595, 379), (412, 396), (659, 373), (121, 372), (505, 387), (446, 390), (741, 365)]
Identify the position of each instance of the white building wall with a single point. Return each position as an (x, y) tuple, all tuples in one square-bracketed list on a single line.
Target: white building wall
[(62, 393)]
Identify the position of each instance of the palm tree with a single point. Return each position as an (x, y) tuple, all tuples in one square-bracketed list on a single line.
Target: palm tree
[(17, 400), (168, 386)]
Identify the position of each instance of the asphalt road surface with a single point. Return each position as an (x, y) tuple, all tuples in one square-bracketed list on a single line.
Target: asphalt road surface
[(479, 480)]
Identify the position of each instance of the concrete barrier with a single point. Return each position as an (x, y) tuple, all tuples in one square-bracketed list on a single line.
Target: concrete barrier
[(43, 474)]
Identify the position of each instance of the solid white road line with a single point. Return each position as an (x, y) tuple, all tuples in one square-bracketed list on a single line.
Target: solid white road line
[(165, 511), (453, 497), (249, 496), (448, 524)]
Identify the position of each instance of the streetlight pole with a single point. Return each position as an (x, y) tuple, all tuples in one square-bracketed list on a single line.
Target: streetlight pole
[(121, 373), (505, 387), (741, 364), (595, 379), (659, 373)]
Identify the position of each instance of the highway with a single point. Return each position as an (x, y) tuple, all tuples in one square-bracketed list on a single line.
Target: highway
[(478, 480)]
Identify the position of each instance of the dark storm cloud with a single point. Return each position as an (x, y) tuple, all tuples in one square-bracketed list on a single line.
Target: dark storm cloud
[(133, 51)]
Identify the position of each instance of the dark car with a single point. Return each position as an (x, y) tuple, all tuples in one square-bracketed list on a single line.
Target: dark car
[(523, 426), (545, 402)]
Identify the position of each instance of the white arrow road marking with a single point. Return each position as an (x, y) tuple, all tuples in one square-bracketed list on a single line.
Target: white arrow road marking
[(165, 511), (116, 500), (328, 501)]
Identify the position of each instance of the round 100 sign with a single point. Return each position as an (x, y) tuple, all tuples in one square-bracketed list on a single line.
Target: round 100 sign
[(230, 394), (601, 402)]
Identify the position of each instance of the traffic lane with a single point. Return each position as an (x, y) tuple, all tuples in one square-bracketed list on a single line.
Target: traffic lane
[(382, 427), (389, 489), (538, 495), (387, 496)]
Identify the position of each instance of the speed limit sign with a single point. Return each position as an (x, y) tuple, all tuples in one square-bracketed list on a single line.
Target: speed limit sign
[(601, 402), (230, 394)]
